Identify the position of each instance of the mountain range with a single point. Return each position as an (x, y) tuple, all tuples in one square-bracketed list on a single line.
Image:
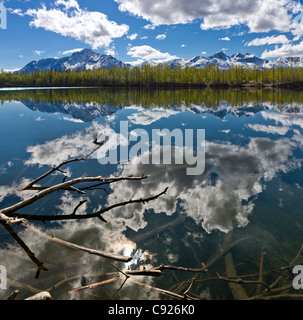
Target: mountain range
[(89, 60)]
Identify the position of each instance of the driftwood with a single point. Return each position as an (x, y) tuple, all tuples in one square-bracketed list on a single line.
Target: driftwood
[(44, 295)]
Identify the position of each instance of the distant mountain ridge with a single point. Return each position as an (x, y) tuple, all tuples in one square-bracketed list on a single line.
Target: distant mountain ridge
[(89, 60), (83, 60)]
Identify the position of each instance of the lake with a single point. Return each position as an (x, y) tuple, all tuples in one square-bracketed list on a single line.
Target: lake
[(242, 214)]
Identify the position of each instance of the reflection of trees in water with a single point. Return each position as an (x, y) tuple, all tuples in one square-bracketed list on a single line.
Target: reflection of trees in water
[(211, 98)]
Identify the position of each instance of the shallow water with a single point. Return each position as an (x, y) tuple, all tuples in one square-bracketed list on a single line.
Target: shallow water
[(251, 188)]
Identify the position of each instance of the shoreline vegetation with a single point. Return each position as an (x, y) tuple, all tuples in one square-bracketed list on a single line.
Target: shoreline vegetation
[(160, 76)]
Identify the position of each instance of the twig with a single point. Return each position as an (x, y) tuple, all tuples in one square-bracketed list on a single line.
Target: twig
[(241, 281), (91, 286), (78, 206), (164, 292), (185, 293), (167, 267), (57, 168), (126, 275)]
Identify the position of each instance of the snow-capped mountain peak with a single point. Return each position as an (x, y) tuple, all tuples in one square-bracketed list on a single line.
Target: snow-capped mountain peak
[(82, 60)]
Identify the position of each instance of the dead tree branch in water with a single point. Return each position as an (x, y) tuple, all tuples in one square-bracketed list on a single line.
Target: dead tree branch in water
[(9, 215)]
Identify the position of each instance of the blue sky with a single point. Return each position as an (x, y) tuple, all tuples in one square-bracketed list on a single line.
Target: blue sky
[(142, 30)]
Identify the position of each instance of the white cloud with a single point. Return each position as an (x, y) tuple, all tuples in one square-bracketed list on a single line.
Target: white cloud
[(149, 27), (68, 52), (161, 36), (268, 40), (92, 28), (39, 52), (147, 53), (258, 15), (225, 39), (133, 36), (286, 50), (68, 4)]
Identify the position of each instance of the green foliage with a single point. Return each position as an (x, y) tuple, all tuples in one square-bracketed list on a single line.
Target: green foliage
[(157, 76)]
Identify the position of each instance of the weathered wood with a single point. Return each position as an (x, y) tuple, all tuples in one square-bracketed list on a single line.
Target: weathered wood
[(62, 186), (44, 295)]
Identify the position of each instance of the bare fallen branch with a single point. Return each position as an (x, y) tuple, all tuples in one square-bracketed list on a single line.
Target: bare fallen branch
[(63, 186), (74, 246), (97, 214)]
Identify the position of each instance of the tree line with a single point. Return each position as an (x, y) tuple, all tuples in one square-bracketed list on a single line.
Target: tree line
[(158, 76)]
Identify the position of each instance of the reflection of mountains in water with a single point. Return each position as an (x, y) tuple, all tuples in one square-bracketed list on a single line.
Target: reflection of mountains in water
[(87, 112)]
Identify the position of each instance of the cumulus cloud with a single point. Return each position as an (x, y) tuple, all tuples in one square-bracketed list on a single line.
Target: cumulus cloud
[(225, 39), (148, 53), (286, 50), (268, 40), (93, 28), (133, 36), (220, 203), (161, 36), (258, 15)]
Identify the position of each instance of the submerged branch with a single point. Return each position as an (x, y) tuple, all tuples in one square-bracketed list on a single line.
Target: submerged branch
[(64, 185), (74, 216)]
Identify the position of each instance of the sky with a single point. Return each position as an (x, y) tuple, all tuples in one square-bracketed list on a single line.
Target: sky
[(135, 31)]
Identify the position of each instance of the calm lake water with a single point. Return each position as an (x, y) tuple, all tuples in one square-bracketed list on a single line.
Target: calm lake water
[(250, 194)]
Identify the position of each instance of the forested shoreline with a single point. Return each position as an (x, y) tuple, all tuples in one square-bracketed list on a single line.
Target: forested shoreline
[(162, 76)]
